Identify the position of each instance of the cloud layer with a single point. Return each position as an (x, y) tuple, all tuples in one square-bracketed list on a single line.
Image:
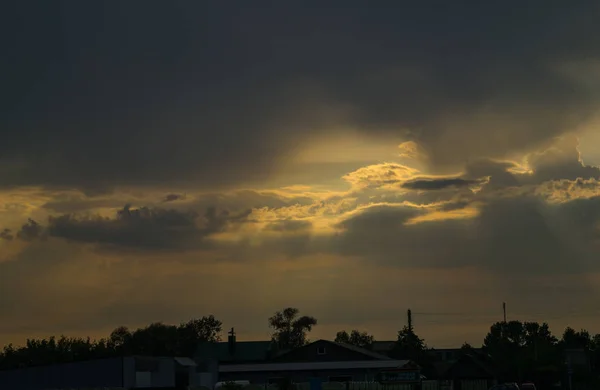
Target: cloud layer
[(170, 159), (207, 94)]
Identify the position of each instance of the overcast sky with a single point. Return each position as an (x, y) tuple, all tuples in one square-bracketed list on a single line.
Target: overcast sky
[(167, 160)]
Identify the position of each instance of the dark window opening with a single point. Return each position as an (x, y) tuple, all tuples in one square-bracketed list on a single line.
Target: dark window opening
[(321, 351)]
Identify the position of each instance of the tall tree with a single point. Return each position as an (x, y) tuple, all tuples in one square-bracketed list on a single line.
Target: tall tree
[(523, 350), (503, 343), (289, 330), (355, 337), (120, 340), (540, 344), (409, 345), (573, 339), (196, 331), (156, 339)]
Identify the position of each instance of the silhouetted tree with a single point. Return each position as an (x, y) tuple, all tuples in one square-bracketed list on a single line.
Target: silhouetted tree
[(466, 347), (120, 340), (196, 331), (155, 339), (522, 350), (289, 330), (572, 339), (355, 337), (410, 346)]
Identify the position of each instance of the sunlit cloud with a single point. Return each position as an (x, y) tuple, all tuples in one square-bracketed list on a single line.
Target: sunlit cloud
[(247, 169)]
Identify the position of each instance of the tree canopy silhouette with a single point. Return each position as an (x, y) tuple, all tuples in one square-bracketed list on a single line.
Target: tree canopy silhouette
[(518, 351), (156, 339), (355, 337), (290, 330)]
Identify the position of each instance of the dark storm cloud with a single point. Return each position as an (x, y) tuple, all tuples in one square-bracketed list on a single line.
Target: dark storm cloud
[(237, 201), (509, 236), (496, 171), (381, 235), (6, 234), (100, 94), (561, 161), (525, 224), (83, 203), (173, 197), (437, 184), (143, 228), (30, 231)]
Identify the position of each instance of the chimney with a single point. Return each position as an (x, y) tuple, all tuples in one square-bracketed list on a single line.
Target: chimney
[(231, 342)]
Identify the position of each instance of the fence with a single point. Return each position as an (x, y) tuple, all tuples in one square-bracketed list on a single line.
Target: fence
[(425, 385)]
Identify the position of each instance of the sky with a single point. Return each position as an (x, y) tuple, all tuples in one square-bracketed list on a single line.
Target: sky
[(167, 160)]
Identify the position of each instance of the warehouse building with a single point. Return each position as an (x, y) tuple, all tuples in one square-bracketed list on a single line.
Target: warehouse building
[(121, 372)]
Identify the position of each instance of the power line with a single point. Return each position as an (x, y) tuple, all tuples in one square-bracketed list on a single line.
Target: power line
[(540, 316)]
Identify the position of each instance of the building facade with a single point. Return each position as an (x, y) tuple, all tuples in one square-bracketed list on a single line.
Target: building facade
[(121, 372), (323, 359)]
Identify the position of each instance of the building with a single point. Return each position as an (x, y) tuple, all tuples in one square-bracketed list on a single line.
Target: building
[(323, 359), (383, 347), (453, 354), (468, 371), (119, 372)]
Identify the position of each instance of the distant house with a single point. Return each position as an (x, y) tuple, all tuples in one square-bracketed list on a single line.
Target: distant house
[(468, 371), (211, 356), (452, 354), (327, 360), (233, 351), (383, 347)]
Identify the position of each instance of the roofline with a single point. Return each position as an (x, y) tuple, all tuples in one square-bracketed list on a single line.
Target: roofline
[(377, 364), (361, 350)]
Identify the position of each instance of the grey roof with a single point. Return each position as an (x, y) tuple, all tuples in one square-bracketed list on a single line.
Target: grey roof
[(309, 366), (383, 345), (364, 351), (245, 351), (255, 351)]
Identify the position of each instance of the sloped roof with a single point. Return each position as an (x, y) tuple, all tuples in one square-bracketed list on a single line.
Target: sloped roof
[(309, 366), (383, 346), (350, 347), (472, 358), (364, 351), (245, 351)]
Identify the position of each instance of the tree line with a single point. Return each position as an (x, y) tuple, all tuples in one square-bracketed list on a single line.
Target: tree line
[(517, 350)]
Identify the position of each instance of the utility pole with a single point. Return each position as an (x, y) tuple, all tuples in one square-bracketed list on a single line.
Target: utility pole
[(504, 310), (570, 373), (409, 318)]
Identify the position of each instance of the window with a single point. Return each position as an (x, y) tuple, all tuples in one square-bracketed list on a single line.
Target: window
[(342, 379), (321, 351)]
